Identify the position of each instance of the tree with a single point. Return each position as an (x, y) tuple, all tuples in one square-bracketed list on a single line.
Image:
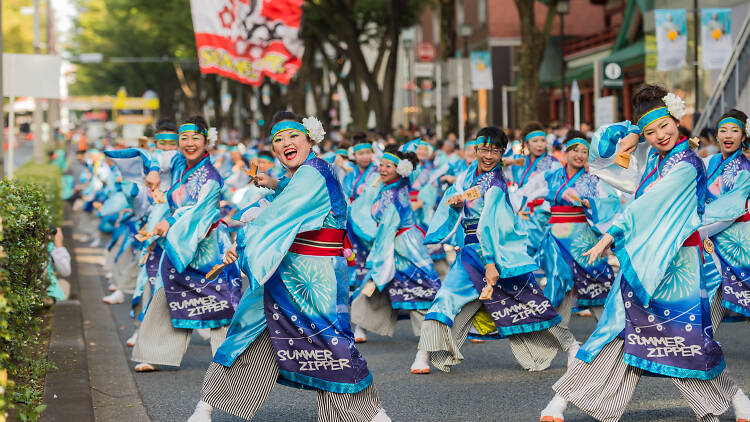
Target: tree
[(18, 29), (353, 28), (134, 28), (530, 57), (447, 12)]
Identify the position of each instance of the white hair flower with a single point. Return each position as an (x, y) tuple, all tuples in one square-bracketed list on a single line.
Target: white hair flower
[(213, 135), (747, 127), (350, 153), (314, 128), (404, 168), (675, 105)]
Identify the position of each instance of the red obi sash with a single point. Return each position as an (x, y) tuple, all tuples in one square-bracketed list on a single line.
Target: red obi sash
[(744, 218), (413, 195), (323, 242), (567, 214), (535, 203), (403, 230)]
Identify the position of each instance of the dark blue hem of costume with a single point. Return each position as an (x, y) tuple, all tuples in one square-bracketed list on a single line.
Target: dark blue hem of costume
[(528, 328), (592, 302), (408, 306), (735, 308), (191, 324), (436, 316), (302, 381), (672, 371)]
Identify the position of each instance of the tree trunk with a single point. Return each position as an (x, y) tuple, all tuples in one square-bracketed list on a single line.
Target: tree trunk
[(530, 57), (447, 13)]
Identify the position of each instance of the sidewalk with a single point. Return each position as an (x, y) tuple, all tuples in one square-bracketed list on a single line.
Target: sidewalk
[(111, 390)]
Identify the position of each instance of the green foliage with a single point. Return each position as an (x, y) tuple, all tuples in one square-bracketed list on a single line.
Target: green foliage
[(25, 218), (18, 29), (48, 178), (131, 28)]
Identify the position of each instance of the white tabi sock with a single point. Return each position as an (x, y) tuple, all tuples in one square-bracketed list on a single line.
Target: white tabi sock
[(202, 412), (556, 407), (741, 405), (381, 417)]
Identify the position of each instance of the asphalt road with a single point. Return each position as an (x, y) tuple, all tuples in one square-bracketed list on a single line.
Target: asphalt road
[(488, 386)]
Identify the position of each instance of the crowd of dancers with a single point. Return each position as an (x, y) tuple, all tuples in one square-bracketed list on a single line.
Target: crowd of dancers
[(285, 256)]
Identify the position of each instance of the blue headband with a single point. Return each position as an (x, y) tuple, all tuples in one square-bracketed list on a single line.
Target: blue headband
[(166, 136), (652, 116), (192, 127), (287, 125), (341, 151), (364, 145), (731, 120), (575, 141), (391, 157), (482, 140), (470, 142), (534, 134), (265, 158)]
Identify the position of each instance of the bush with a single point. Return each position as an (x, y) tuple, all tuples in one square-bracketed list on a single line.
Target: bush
[(49, 179), (26, 220)]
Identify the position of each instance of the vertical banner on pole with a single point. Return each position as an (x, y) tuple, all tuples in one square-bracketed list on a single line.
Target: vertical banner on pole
[(671, 38), (481, 70), (716, 37)]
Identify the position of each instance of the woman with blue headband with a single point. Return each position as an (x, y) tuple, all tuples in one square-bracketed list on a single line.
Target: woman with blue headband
[(535, 164), (656, 319), (579, 205), (490, 285), (728, 179), (400, 275), (193, 242), (292, 324)]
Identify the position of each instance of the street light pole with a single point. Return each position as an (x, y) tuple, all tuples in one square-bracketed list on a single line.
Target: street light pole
[(37, 117)]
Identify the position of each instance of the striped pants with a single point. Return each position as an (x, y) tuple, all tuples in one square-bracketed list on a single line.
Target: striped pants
[(604, 387), (159, 342), (718, 311), (534, 351), (375, 314), (243, 387)]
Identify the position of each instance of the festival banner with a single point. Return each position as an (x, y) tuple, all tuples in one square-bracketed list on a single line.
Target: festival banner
[(716, 37), (671, 38), (248, 39)]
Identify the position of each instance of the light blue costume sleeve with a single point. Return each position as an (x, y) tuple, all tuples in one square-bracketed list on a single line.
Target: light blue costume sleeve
[(501, 243), (667, 212), (730, 205), (382, 261), (445, 222), (605, 207), (191, 223), (360, 215), (133, 163), (537, 187), (301, 206), (604, 144)]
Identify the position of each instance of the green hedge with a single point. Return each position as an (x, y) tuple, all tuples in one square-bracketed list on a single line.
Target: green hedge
[(26, 219), (49, 178)]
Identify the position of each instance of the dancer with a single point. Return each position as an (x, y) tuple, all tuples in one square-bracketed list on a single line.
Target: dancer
[(365, 172), (401, 275), (296, 305), (494, 251), (728, 264), (575, 197), (656, 318), (193, 242)]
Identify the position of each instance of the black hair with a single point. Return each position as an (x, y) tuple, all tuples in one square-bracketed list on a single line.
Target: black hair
[(531, 127), (412, 157), (741, 116), (198, 121), (359, 138), (683, 131), (572, 134), (265, 153), (284, 115), (166, 125), (495, 135), (647, 98)]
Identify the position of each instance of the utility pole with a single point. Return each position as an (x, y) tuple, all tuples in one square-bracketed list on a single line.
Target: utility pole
[(53, 106), (2, 98), (696, 28), (38, 112)]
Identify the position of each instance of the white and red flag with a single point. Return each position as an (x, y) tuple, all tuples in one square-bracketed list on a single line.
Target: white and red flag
[(247, 39)]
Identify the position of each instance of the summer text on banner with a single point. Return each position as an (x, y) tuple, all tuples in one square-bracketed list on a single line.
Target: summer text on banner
[(248, 39)]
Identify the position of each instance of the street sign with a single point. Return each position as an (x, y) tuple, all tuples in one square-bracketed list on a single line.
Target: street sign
[(31, 75), (426, 52), (612, 75), (424, 70), (605, 111)]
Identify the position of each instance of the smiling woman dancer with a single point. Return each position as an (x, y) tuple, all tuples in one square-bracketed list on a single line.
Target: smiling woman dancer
[(292, 324), (656, 319)]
